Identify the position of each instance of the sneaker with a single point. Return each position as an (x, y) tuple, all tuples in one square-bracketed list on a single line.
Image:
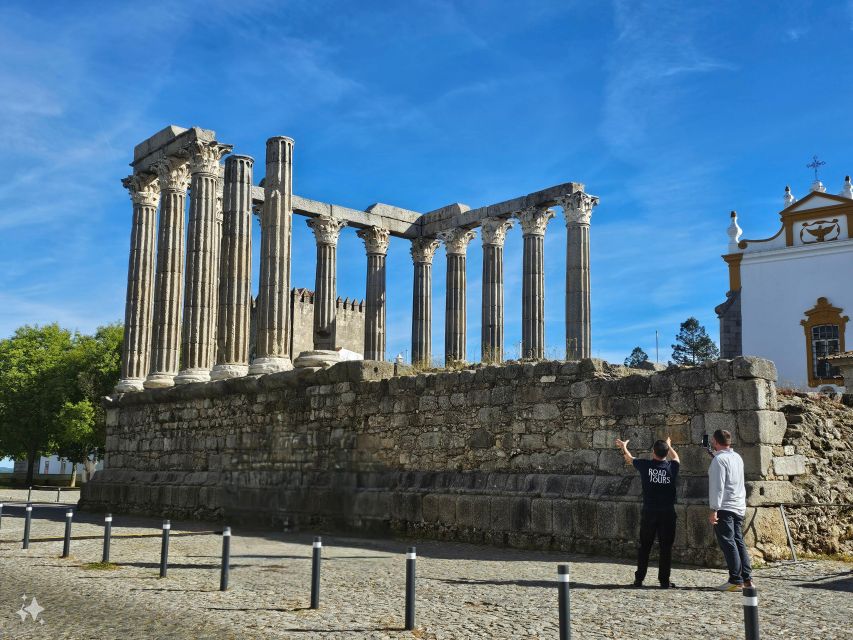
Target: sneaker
[(667, 585), (637, 584), (729, 586)]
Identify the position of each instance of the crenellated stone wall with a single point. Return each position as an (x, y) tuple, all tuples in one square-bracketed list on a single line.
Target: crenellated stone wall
[(519, 454)]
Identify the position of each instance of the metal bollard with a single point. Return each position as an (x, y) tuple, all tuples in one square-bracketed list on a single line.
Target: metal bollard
[(1, 515), (66, 543), (226, 559), (57, 493), (164, 549), (565, 615), (411, 558), (315, 573), (108, 532), (27, 526), (29, 494), (750, 612)]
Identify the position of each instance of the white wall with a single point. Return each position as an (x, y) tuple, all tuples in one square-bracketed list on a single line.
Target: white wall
[(778, 287)]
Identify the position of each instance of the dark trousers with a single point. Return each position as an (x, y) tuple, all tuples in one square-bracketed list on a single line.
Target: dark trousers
[(729, 532), (660, 524)]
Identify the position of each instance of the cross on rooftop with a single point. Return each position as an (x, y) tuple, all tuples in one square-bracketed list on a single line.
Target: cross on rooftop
[(815, 164)]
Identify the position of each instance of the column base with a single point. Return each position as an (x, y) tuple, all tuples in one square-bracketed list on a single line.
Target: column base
[(188, 376), (270, 364), (159, 380), (324, 358), (129, 385), (225, 371)]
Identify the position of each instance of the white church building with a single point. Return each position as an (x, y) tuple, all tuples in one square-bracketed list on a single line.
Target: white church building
[(790, 296)]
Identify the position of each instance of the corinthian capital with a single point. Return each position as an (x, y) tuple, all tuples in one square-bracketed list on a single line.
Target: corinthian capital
[(173, 174), (144, 189), (375, 239), (534, 220), (423, 249), (326, 229), (577, 207), (456, 240), (493, 230), (205, 156)]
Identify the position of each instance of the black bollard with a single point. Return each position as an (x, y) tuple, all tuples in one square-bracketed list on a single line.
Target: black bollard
[(108, 532), (164, 549), (411, 558), (27, 526), (57, 493), (1, 515), (226, 559), (563, 587), (29, 494), (750, 612), (315, 573), (66, 543)]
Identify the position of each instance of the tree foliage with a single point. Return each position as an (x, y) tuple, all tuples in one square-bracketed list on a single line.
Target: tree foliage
[(51, 384), (637, 357), (693, 345)]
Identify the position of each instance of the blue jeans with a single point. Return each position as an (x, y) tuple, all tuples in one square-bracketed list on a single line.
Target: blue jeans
[(729, 532)]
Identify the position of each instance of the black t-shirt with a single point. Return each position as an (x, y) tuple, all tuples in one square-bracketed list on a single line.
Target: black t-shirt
[(658, 478)]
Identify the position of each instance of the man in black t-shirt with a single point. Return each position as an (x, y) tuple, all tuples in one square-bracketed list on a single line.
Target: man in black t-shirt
[(659, 476)]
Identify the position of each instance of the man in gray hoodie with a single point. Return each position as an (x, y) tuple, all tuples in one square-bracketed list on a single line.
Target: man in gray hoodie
[(727, 499)]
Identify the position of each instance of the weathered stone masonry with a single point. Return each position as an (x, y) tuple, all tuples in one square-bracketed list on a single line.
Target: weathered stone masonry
[(520, 454)]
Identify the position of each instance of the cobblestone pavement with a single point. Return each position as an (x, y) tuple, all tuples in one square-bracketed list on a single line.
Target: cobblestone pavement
[(464, 591)]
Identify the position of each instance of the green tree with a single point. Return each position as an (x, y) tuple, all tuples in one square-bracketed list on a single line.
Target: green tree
[(693, 345), (637, 357), (35, 382)]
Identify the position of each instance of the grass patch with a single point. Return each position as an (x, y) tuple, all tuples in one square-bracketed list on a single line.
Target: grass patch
[(101, 566), (838, 557)]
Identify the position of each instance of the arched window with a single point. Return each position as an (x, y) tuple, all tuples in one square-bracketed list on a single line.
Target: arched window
[(824, 326)]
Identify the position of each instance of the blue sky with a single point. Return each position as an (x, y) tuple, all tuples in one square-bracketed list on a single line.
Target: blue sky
[(673, 113)]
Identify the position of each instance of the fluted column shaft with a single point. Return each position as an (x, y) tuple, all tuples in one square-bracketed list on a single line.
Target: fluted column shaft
[(202, 272), (376, 244), (493, 232), (423, 250), (326, 230), (578, 211), (173, 175), (533, 223), (455, 316), (235, 282), (139, 303), (273, 305)]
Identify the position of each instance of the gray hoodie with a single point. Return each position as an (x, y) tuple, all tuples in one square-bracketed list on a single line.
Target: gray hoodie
[(726, 490)]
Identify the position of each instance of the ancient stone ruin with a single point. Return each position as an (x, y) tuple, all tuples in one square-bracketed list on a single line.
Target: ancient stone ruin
[(506, 453)]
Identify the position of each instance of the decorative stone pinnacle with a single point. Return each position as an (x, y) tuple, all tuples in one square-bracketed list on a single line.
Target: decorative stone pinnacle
[(173, 173), (205, 156), (144, 189), (493, 230), (423, 249), (847, 189), (734, 232), (456, 240), (375, 239), (578, 207), (789, 197), (326, 229), (534, 220)]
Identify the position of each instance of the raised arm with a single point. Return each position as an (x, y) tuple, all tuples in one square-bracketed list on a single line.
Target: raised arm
[(623, 447), (672, 454)]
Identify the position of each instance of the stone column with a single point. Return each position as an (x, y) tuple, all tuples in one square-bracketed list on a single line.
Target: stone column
[(326, 231), (273, 306), (202, 273), (139, 303), (577, 208), (493, 233), (376, 244), (423, 250), (235, 278), (173, 175), (533, 223), (456, 245)]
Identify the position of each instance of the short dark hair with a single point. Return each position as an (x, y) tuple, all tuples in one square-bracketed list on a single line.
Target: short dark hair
[(661, 448), (723, 437)]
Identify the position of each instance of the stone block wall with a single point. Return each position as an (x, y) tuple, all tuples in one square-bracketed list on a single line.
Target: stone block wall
[(520, 454), (349, 323)]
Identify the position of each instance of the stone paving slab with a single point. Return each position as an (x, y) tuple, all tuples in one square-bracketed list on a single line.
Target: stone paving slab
[(464, 591)]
